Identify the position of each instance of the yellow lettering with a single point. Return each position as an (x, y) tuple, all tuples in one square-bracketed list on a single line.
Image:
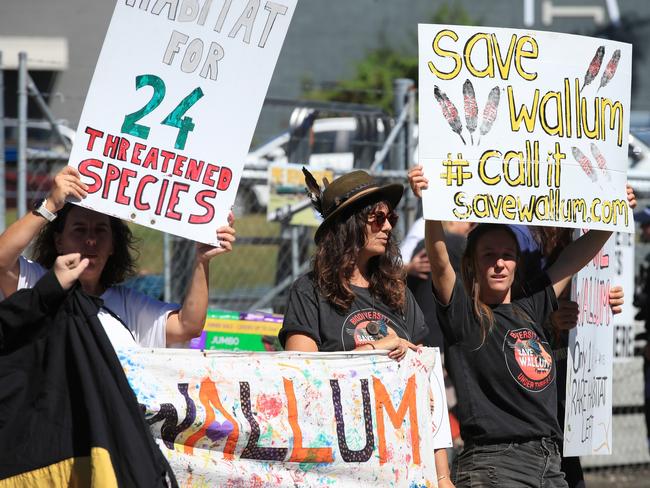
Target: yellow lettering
[(445, 54), (558, 128), (523, 115), (521, 53), (490, 180), (489, 68)]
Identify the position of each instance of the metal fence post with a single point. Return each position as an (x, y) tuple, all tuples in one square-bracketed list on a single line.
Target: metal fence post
[(167, 267), (410, 203), (21, 193), (3, 194)]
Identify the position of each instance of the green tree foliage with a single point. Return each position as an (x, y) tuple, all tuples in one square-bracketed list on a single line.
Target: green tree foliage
[(372, 83)]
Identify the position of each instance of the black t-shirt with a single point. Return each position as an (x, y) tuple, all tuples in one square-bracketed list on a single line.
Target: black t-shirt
[(506, 385), (310, 314)]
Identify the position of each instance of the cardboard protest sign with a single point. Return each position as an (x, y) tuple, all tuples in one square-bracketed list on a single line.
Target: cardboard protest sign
[(588, 409), (172, 107), (287, 187), (286, 419), (524, 127)]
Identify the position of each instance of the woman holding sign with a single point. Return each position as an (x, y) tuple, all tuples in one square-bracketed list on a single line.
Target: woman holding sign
[(356, 297), (497, 353), (128, 317)]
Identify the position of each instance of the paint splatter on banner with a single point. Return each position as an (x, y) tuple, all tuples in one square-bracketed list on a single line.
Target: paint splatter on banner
[(293, 419)]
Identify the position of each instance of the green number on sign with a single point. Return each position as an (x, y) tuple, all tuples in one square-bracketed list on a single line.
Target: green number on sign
[(174, 119), (184, 124), (129, 125)]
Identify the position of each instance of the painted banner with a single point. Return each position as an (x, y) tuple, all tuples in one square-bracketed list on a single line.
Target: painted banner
[(524, 127), (293, 419), (588, 411), (172, 108), (287, 187)]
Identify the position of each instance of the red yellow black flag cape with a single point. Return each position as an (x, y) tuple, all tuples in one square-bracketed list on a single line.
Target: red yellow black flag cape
[(68, 416)]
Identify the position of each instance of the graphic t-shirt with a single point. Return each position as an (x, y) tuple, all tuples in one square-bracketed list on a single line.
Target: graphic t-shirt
[(367, 320), (506, 384)]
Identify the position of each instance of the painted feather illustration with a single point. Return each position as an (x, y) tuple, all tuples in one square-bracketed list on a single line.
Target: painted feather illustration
[(594, 66), (600, 160), (585, 163), (490, 111), (610, 70), (471, 108), (450, 112)]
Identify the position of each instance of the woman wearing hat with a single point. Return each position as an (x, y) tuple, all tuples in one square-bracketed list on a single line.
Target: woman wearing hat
[(355, 297)]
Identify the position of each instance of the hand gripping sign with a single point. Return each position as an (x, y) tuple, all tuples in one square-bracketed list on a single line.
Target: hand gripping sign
[(524, 127), (172, 107)]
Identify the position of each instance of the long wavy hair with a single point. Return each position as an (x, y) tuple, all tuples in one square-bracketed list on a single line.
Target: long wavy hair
[(119, 266), (469, 275), (335, 257)]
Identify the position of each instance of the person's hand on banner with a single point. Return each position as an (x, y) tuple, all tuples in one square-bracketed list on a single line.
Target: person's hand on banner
[(68, 268), (396, 346), (226, 237), (419, 266), (616, 300), (417, 180), (67, 183), (566, 316)]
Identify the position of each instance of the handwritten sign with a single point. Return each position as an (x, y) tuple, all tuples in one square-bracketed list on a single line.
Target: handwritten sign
[(524, 127), (287, 188), (588, 415), (172, 107), (623, 271), (286, 419)]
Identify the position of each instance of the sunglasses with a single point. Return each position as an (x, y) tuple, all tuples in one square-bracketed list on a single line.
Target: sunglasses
[(380, 217)]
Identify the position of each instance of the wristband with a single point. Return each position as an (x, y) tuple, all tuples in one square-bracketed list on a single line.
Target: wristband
[(41, 209), (443, 477), (371, 345)]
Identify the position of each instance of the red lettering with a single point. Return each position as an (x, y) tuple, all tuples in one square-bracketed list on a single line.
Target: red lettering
[(178, 165), (209, 171), (167, 156), (112, 174), (200, 199), (85, 170), (151, 161), (161, 198), (110, 146), (144, 181), (194, 169), (137, 149), (124, 146), (225, 177), (174, 199), (127, 174), (94, 134)]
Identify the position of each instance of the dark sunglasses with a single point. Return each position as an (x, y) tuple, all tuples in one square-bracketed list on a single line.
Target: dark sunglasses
[(380, 217)]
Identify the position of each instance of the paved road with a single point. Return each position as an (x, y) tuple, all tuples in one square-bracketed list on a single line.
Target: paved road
[(636, 478)]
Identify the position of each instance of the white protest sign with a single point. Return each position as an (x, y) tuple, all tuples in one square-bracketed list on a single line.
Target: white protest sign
[(287, 419), (524, 127), (623, 270), (588, 410), (172, 108)]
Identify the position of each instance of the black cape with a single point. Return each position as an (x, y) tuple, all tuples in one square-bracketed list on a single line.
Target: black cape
[(67, 413)]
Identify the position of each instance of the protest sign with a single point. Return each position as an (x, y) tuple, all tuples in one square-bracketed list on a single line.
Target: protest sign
[(287, 187), (172, 107), (623, 272), (524, 127), (588, 410), (287, 419)]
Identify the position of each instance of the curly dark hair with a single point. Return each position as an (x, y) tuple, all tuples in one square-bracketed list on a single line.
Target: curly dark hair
[(119, 266), (334, 260)]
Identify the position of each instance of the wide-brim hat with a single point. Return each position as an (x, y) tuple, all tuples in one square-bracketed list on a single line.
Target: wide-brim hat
[(354, 189)]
